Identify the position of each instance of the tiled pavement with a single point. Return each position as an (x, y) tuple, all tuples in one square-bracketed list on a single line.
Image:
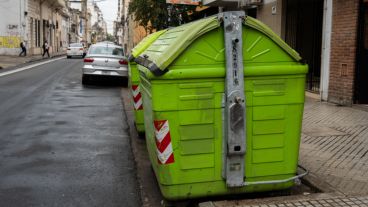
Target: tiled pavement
[(330, 202), (334, 148)]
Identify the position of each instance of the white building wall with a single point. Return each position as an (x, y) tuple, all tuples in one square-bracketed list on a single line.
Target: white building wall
[(76, 5), (270, 13), (126, 27), (326, 49), (65, 31), (12, 26), (94, 13)]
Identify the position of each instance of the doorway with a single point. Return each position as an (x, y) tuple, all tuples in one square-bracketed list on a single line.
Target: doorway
[(361, 78), (303, 32)]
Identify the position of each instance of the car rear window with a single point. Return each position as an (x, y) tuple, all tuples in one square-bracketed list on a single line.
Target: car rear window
[(76, 45), (105, 50)]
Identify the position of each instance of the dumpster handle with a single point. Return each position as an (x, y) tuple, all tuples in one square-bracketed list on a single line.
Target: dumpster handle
[(297, 177)]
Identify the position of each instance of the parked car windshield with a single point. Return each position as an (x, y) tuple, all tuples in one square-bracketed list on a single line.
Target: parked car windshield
[(76, 45), (105, 50)]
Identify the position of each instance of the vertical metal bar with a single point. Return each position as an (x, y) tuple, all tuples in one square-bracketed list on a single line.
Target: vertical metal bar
[(235, 100)]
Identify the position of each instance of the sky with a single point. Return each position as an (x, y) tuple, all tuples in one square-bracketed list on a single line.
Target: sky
[(109, 9)]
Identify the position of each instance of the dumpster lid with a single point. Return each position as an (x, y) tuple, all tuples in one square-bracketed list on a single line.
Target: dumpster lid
[(160, 54), (258, 25), (144, 44)]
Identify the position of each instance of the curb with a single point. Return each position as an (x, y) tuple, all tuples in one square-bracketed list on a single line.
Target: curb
[(127, 110), (51, 57), (32, 61)]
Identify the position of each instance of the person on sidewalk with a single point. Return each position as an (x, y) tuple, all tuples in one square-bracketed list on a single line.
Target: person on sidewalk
[(24, 49), (45, 47)]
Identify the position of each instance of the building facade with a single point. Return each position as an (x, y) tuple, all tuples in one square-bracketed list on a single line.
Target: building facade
[(34, 22), (44, 23), (13, 26), (332, 38), (98, 30), (84, 24)]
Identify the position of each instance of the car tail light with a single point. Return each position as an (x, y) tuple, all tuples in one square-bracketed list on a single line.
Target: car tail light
[(123, 62), (88, 60), (81, 49), (69, 49)]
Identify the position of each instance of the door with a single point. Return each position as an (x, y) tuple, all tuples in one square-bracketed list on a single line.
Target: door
[(361, 79), (303, 32)]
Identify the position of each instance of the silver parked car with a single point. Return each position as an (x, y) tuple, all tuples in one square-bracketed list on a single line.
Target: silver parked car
[(104, 59)]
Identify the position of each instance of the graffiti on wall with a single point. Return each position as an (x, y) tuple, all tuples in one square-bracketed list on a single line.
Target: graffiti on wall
[(9, 42), (11, 38), (12, 30)]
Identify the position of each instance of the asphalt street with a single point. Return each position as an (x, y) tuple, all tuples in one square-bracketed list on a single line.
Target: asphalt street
[(63, 144)]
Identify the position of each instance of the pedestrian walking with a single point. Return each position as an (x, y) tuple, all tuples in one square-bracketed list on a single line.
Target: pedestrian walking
[(46, 49), (24, 49)]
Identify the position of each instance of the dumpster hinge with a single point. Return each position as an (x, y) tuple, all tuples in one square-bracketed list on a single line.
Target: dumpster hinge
[(234, 112)]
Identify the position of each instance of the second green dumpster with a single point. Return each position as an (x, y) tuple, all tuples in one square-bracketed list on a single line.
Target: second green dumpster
[(134, 78), (223, 102)]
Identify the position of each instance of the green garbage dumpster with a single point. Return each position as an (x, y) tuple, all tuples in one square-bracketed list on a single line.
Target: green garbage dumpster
[(223, 103), (134, 78)]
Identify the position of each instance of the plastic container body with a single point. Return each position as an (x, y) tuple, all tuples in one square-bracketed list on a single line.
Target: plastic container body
[(134, 86), (133, 83), (184, 110)]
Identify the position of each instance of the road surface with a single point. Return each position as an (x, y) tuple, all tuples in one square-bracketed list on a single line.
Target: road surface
[(62, 144)]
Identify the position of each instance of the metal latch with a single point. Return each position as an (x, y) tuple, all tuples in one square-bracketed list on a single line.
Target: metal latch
[(234, 112)]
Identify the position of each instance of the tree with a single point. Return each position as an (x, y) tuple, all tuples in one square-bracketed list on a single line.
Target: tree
[(110, 37), (157, 15)]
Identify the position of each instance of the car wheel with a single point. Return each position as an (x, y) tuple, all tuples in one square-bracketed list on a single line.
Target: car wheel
[(85, 79), (68, 57)]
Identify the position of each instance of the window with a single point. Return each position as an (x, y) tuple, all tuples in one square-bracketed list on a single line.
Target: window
[(101, 50), (39, 33), (252, 12), (31, 22), (37, 29)]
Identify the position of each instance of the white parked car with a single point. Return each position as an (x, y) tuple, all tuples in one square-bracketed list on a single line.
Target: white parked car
[(76, 49), (104, 59)]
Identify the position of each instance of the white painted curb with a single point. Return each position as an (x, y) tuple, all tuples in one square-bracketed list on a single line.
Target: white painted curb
[(29, 66)]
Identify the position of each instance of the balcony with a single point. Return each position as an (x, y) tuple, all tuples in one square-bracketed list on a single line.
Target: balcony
[(58, 4)]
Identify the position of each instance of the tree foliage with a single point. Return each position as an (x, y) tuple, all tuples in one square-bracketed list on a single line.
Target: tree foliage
[(157, 15), (110, 37)]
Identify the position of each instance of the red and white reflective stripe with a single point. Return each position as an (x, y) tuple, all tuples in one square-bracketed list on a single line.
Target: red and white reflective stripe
[(137, 97), (165, 153)]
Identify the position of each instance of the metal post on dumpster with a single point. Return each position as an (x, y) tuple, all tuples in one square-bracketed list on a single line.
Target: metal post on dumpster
[(234, 120)]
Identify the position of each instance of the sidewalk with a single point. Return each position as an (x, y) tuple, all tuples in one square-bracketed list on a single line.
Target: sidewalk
[(334, 148), (8, 61), (359, 201)]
